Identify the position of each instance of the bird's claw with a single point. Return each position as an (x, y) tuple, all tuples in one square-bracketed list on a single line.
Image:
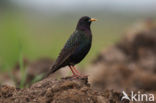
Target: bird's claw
[(79, 76), (75, 76)]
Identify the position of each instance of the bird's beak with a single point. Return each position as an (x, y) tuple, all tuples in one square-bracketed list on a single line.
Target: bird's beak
[(93, 19)]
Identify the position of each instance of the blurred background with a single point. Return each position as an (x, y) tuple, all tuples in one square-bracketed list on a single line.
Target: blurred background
[(34, 29), (41, 27)]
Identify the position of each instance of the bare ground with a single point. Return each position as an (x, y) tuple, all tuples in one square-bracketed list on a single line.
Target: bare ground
[(65, 90)]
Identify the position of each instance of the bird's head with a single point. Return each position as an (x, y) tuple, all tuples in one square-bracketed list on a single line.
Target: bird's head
[(84, 22)]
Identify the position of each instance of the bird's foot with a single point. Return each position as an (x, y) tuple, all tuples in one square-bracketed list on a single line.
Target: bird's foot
[(75, 76), (79, 76), (78, 73)]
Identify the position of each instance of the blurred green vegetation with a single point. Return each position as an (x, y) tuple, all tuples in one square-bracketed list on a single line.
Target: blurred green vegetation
[(44, 36)]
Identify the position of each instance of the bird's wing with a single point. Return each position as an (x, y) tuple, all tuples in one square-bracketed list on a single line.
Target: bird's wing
[(62, 58), (67, 51), (64, 55)]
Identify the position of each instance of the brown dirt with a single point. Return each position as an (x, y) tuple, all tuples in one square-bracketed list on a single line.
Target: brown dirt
[(66, 90)]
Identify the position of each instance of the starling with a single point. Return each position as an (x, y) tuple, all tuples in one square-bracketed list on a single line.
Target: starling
[(76, 47)]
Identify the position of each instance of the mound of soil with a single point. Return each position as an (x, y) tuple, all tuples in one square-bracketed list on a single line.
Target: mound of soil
[(65, 90)]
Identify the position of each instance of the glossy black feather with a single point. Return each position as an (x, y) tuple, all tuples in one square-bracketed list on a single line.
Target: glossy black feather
[(77, 46)]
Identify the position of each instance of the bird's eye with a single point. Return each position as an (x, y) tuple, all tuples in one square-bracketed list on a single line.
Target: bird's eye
[(87, 20)]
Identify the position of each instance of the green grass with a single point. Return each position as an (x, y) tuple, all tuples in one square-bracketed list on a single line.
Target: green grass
[(22, 68)]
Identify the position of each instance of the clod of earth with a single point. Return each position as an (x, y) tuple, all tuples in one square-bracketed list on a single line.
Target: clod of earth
[(65, 90)]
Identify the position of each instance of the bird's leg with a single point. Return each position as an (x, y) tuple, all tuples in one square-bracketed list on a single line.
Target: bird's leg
[(74, 74), (79, 72), (76, 70)]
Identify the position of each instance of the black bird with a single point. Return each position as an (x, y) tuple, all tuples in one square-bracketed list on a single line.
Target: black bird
[(76, 47)]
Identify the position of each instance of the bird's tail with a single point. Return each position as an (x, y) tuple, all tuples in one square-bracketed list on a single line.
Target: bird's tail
[(52, 69)]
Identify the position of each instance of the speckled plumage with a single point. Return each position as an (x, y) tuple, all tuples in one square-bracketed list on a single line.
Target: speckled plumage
[(76, 47)]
